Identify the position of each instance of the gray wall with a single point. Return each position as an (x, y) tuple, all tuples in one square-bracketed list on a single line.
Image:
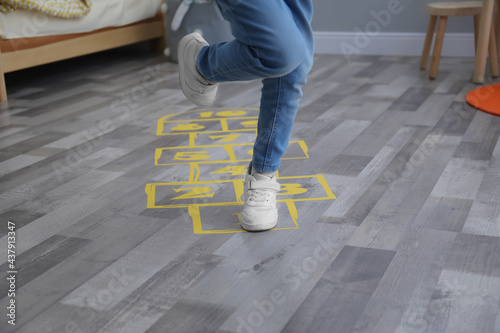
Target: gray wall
[(345, 15)]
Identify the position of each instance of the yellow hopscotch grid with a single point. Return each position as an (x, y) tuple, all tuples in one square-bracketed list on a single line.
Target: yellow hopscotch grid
[(223, 124), (223, 120), (222, 136), (238, 191), (222, 115), (228, 149), (151, 193), (194, 212)]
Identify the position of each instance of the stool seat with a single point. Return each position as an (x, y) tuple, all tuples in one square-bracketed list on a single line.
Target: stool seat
[(455, 8)]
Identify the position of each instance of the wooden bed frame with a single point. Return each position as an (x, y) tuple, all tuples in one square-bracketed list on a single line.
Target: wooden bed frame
[(20, 53)]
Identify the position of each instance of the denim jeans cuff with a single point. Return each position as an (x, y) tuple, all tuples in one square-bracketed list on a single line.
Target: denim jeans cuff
[(265, 168)]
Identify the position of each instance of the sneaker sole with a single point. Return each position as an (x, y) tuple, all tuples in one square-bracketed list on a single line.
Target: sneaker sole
[(181, 56), (258, 227)]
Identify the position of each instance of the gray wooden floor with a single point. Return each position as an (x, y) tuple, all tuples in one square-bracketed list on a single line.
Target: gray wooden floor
[(125, 200)]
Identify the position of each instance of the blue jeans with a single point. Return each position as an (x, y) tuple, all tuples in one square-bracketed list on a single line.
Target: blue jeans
[(273, 42)]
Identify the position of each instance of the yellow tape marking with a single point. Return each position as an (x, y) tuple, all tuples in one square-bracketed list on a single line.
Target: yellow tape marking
[(194, 193)]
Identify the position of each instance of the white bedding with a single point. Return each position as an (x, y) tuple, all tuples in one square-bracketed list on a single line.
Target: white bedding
[(104, 13)]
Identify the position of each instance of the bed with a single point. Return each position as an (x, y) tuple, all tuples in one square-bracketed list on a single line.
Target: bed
[(29, 38)]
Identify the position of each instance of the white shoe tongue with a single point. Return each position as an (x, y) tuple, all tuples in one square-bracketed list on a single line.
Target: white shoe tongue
[(263, 175)]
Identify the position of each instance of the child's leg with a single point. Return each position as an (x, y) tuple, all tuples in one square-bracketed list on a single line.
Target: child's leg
[(274, 42), (269, 40), (279, 105)]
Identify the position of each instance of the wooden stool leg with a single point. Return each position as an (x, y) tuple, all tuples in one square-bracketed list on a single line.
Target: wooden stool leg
[(438, 46), (428, 42), (3, 90), (493, 53), (483, 41), (477, 19), (497, 29)]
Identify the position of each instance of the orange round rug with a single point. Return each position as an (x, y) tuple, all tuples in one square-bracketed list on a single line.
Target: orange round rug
[(486, 98)]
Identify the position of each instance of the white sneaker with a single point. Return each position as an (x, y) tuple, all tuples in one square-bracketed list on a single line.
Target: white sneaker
[(259, 210), (195, 87)]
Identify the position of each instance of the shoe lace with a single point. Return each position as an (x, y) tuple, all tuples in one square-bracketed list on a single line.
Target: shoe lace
[(258, 197)]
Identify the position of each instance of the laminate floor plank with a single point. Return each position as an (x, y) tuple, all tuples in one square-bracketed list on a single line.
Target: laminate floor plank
[(442, 213), (485, 212), (16, 138), (338, 299), (394, 170), (392, 216), (65, 215), (140, 264), (299, 270), (35, 185), (370, 173), (466, 295), (42, 258), (32, 143), (126, 201), (44, 290), (18, 162), (400, 302)]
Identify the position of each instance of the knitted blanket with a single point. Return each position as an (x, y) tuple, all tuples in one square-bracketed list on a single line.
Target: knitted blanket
[(59, 8)]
